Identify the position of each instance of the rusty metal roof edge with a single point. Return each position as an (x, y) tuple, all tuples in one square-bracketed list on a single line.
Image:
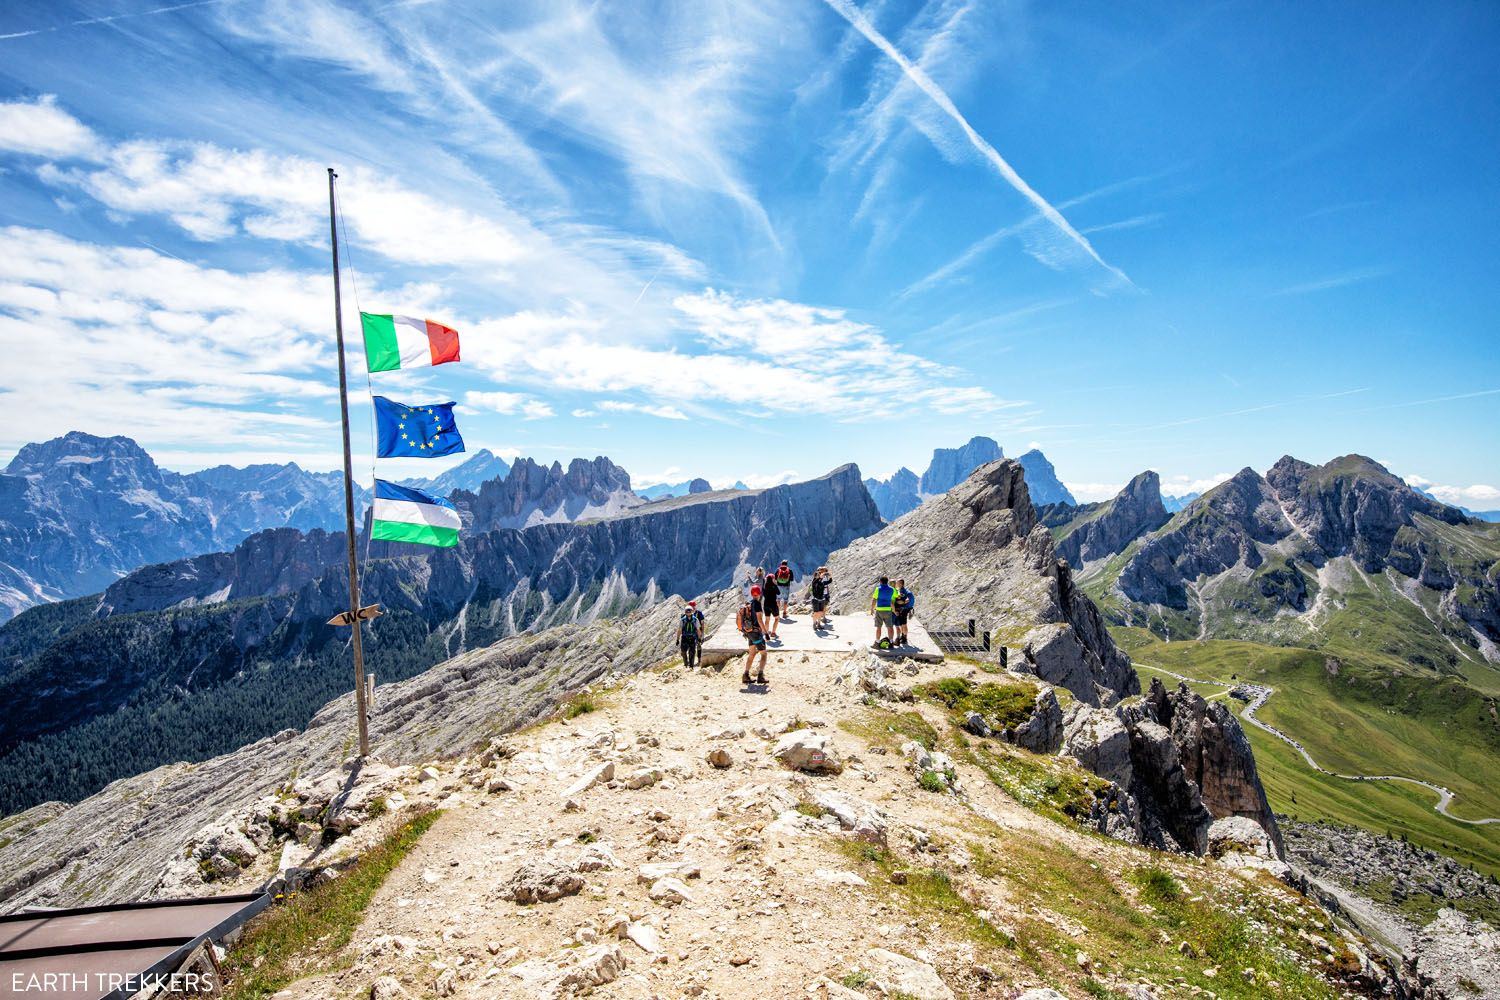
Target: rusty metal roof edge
[(245, 897)]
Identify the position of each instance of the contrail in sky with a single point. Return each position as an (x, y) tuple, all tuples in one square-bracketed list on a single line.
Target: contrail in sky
[(112, 17), (856, 17)]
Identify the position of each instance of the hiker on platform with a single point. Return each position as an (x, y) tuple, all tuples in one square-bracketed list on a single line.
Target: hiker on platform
[(748, 622), (770, 604), (690, 635), (784, 578), (901, 610), (883, 606), (821, 590)]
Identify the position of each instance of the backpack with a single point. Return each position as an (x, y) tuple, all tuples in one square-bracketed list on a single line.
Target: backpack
[(784, 580), (746, 620), (690, 625), (901, 602)]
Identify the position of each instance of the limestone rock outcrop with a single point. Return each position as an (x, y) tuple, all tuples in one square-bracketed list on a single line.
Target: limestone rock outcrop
[(977, 551)]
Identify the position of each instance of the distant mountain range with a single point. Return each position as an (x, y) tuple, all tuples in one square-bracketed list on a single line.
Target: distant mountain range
[(656, 491), (1288, 556), (80, 511), (1174, 504), (904, 491)]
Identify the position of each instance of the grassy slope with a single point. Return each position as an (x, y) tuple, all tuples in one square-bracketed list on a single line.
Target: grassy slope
[(1424, 728)]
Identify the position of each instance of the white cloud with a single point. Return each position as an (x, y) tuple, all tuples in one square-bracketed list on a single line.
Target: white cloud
[(727, 355), (41, 128), (580, 412), (1478, 496), (508, 403), (655, 410), (119, 340), (761, 481), (214, 193), (1181, 485), (1093, 492)]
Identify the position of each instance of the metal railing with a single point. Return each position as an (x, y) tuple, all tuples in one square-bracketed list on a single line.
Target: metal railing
[(961, 640)]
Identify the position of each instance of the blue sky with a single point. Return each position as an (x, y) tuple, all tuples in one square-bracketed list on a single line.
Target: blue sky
[(753, 241)]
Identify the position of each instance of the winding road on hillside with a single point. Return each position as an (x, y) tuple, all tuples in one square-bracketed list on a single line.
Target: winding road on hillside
[(1262, 693)]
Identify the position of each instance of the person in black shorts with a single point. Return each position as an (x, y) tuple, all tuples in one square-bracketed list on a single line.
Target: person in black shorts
[(820, 589), (901, 610), (749, 624), (770, 604)]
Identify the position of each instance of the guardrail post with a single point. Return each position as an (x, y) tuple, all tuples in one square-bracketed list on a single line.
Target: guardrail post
[(971, 628), (986, 640)]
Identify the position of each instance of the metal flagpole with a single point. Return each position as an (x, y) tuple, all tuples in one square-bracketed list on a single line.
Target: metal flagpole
[(355, 614)]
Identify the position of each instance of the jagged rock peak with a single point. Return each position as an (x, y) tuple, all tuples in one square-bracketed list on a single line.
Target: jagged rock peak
[(1215, 759), (700, 486), (532, 494), (1042, 481), (1092, 532), (950, 466)]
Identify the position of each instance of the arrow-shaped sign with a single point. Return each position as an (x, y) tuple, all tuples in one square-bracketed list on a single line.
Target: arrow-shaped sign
[(365, 614)]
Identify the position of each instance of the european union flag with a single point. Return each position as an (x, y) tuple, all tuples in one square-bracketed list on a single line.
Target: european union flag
[(426, 430)]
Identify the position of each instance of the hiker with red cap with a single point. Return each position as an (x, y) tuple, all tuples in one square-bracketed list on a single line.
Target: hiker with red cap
[(751, 625), (690, 634)]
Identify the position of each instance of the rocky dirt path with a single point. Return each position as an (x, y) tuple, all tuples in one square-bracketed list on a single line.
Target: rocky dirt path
[(1263, 693), (674, 875)]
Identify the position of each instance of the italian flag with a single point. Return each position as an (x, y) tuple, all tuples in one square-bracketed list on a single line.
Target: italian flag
[(393, 342), (402, 514)]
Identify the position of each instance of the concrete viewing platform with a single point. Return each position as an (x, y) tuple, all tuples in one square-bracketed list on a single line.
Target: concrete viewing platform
[(849, 633)]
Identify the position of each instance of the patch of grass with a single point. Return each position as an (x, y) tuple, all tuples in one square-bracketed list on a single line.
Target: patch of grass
[(1054, 786), (931, 781), (378, 807), (303, 935), (812, 809), (855, 980), (1002, 705), (581, 705), (884, 728), (930, 891), (1158, 886)]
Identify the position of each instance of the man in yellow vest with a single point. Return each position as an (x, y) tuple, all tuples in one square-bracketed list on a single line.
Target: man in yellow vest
[(882, 606)]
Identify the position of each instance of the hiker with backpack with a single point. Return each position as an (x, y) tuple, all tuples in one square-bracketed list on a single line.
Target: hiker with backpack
[(883, 606), (770, 604), (690, 634), (821, 589), (748, 621), (901, 610), (784, 578)]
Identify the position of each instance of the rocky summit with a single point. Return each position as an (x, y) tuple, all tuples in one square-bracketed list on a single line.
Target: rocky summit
[(979, 552), (609, 823), (1087, 533)]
